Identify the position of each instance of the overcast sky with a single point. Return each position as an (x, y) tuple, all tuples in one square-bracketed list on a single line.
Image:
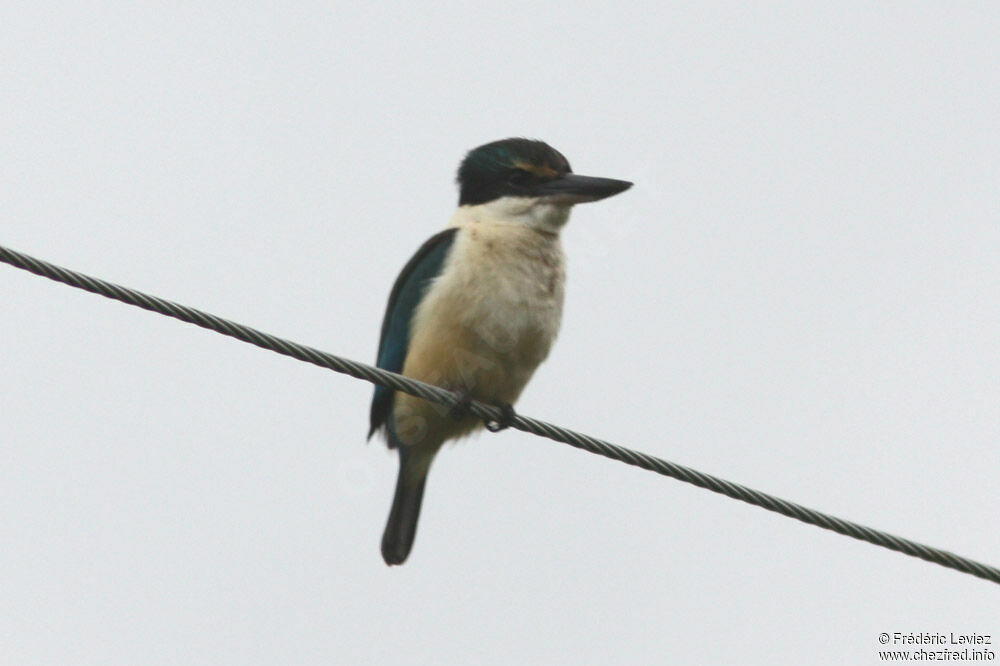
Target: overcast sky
[(800, 294)]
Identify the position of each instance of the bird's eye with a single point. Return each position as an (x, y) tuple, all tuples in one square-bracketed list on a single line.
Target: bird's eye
[(519, 177)]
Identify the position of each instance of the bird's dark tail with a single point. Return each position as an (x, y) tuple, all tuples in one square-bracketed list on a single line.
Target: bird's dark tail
[(401, 529)]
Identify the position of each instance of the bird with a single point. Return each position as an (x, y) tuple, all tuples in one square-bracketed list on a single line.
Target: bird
[(476, 309)]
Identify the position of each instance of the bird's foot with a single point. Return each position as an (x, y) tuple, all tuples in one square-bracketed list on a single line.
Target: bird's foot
[(507, 415), (460, 409)]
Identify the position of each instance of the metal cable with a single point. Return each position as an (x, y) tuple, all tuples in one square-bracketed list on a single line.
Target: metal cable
[(493, 414)]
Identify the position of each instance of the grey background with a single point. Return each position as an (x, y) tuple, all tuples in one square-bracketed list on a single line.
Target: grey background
[(799, 294)]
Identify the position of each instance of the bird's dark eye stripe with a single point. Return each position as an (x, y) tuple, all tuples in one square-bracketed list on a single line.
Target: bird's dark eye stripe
[(520, 177)]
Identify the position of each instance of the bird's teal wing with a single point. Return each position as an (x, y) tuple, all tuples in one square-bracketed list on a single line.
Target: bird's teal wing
[(406, 294)]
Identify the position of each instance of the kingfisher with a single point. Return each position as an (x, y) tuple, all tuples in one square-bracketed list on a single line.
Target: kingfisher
[(476, 309)]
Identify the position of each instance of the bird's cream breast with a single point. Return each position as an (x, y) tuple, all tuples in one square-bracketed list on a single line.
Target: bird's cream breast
[(492, 316)]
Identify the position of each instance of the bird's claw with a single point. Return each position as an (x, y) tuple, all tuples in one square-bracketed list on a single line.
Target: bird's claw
[(507, 415)]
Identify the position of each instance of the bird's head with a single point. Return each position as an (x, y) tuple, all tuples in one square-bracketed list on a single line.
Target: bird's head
[(528, 180)]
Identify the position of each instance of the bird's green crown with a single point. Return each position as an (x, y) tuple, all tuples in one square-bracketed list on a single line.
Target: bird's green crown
[(509, 167)]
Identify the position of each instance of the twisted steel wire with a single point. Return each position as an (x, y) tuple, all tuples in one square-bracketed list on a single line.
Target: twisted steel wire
[(492, 414)]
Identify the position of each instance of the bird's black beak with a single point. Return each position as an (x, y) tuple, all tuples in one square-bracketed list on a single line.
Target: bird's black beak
[(572, 188)]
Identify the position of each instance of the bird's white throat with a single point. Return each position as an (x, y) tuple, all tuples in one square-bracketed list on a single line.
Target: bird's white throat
[(538, 213)]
